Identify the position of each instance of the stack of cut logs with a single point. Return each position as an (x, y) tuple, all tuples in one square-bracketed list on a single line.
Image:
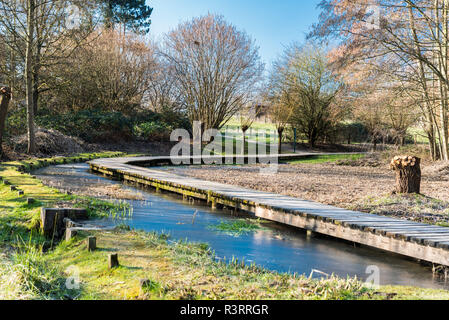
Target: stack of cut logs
[(408, 174)]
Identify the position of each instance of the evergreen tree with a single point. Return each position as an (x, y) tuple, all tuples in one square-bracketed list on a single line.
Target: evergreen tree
[(133, 14)]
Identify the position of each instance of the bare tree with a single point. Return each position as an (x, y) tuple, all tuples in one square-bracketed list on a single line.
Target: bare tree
[(29, 38), (163, 91), (107, 71), (35, 32), (216, 66), (302, 80), (281, 114), (407, 40)]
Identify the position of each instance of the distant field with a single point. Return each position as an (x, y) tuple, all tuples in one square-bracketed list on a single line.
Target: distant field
[(235, 123), (328, 158), (419, 134)]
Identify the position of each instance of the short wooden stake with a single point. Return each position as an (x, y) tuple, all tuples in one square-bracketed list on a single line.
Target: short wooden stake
[(91, 243), (69, 234), (113, 260)]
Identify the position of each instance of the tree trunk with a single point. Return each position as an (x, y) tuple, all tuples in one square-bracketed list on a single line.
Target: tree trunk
[(312, 139), (280, 132), (35, 92), (408, 174), (36, 78), (244, 142), (5, 97), (29, 75)]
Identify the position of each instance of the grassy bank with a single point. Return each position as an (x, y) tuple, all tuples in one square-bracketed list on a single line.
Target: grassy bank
[(175, 270)]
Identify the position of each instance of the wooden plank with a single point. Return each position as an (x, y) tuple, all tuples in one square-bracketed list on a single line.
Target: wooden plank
[(411, 230)]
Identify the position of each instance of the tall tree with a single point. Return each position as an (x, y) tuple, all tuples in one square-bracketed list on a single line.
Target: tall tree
[(303, 80), (132, 14), (408, 42), (29, 39), (217, 68), (5, 97), (107, 72), (36, 32)]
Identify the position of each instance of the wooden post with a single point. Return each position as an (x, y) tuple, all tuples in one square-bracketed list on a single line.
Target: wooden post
[(91, 243), (70, 233), (408, 174), (113, 261), (53, 221)]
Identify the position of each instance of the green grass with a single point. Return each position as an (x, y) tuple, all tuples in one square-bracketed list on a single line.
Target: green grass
[(34, 276), (183, 270), (236, 228), (20, 227), (234, 123), (419, 134), (237, 147), (328, 158)]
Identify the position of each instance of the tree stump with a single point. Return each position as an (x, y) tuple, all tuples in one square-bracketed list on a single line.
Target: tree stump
[(408, 174)]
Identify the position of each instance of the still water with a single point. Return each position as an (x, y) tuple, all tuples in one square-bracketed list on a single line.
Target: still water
[(274, 247)]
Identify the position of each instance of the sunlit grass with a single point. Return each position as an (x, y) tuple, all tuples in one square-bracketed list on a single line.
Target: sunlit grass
[(237, 227), (328, 158)]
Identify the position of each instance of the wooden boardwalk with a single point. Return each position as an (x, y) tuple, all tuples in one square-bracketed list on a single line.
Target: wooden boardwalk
[(417, 240)]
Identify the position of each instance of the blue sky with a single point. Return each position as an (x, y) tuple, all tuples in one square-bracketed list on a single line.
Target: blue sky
[(272, 24)]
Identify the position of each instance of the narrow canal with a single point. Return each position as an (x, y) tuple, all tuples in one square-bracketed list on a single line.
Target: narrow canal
[(272, 246)]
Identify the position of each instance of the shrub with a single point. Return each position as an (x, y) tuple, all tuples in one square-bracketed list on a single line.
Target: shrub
[(90, 125), (96, 125), (152, 131), (345, 132), (16, 122)]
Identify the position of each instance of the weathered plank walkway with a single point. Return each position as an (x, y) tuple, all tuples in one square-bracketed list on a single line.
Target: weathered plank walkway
[(420, 241)]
